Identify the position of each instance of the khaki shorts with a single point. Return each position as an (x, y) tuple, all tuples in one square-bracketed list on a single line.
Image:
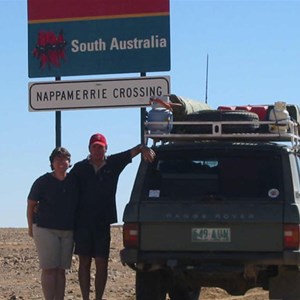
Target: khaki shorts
[(54, 247)]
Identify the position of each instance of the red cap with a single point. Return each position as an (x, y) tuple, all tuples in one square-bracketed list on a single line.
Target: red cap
[(98, 138)]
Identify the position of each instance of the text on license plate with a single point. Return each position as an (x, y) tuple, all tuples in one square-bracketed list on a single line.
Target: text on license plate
[(221, 235)]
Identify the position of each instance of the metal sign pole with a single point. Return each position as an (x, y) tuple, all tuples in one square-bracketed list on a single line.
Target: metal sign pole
[(142, 118), (57, 124)]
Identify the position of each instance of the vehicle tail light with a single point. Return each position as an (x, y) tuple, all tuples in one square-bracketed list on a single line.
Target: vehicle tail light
[(131, 235), (291, 236)]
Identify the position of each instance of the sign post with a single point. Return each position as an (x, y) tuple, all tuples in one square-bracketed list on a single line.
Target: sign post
[(57, 124)]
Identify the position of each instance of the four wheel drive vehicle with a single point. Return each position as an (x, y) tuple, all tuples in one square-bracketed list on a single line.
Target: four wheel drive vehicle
[(216, 210)]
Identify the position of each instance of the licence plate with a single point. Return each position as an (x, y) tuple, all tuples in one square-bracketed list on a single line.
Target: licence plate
[(219, 235)]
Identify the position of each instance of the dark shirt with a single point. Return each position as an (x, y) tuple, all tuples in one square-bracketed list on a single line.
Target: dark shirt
[(97, 190), (57, 202)]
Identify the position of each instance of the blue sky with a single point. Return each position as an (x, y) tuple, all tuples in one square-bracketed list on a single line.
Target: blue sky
[(254, 58)]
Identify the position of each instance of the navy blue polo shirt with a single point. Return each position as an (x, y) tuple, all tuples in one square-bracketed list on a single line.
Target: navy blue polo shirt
[(57, 202), (97, 190)]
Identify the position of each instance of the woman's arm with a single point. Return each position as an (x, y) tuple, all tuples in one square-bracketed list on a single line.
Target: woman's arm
[(31, 206)]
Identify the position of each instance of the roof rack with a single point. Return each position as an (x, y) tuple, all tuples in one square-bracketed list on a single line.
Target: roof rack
[(219, 130)]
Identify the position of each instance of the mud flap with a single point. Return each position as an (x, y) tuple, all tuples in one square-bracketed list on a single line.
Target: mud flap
[(286, 285)]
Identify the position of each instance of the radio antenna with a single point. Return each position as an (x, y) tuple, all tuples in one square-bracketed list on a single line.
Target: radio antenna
[(206, 86)]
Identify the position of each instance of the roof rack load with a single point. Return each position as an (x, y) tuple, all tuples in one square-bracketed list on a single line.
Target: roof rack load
[(217, 132), (224, 125)]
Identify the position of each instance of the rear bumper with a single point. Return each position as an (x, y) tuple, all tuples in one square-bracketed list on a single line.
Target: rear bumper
[(180, 259)]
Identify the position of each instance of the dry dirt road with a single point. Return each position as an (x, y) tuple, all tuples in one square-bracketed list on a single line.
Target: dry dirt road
[(20, 275)]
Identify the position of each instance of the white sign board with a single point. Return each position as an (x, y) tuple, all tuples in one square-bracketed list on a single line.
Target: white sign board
[(125, 92)]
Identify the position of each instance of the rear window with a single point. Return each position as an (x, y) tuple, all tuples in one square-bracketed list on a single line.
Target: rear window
[(190, 177)]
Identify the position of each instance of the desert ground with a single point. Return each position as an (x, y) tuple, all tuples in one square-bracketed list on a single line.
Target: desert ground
[(20, 274)]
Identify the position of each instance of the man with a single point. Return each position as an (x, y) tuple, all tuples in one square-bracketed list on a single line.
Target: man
[(97, 178)]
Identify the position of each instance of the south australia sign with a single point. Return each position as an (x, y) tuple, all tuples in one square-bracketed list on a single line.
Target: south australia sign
[(75, 37)]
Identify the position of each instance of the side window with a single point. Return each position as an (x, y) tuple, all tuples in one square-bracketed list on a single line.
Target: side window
[(295, 166), (298, 164)]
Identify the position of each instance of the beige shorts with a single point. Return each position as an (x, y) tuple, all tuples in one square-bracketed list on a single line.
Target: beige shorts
[(54, 247)]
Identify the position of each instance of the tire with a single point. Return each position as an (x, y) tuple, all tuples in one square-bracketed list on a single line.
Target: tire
[(220, 115), (181, 292), (286, 285), (150, 285), (180, 288)]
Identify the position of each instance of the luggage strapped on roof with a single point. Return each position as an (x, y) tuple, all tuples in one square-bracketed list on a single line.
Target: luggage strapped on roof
[(217, 132)]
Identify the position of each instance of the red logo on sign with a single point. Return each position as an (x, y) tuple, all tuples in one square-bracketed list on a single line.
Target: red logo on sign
[(50, 49)]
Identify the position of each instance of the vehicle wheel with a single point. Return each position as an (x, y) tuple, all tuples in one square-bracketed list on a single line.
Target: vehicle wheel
[(286, 285), (181, 292), (180, 289), (221, 115), (150, 285)]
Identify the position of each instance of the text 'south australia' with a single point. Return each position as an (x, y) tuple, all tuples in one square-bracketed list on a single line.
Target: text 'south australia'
[(154, 41)]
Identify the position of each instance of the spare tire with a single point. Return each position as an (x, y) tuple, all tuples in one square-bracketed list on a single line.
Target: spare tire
[(218, 116)]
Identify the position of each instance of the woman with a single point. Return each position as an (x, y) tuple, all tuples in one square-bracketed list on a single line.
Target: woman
[(51, 208)]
